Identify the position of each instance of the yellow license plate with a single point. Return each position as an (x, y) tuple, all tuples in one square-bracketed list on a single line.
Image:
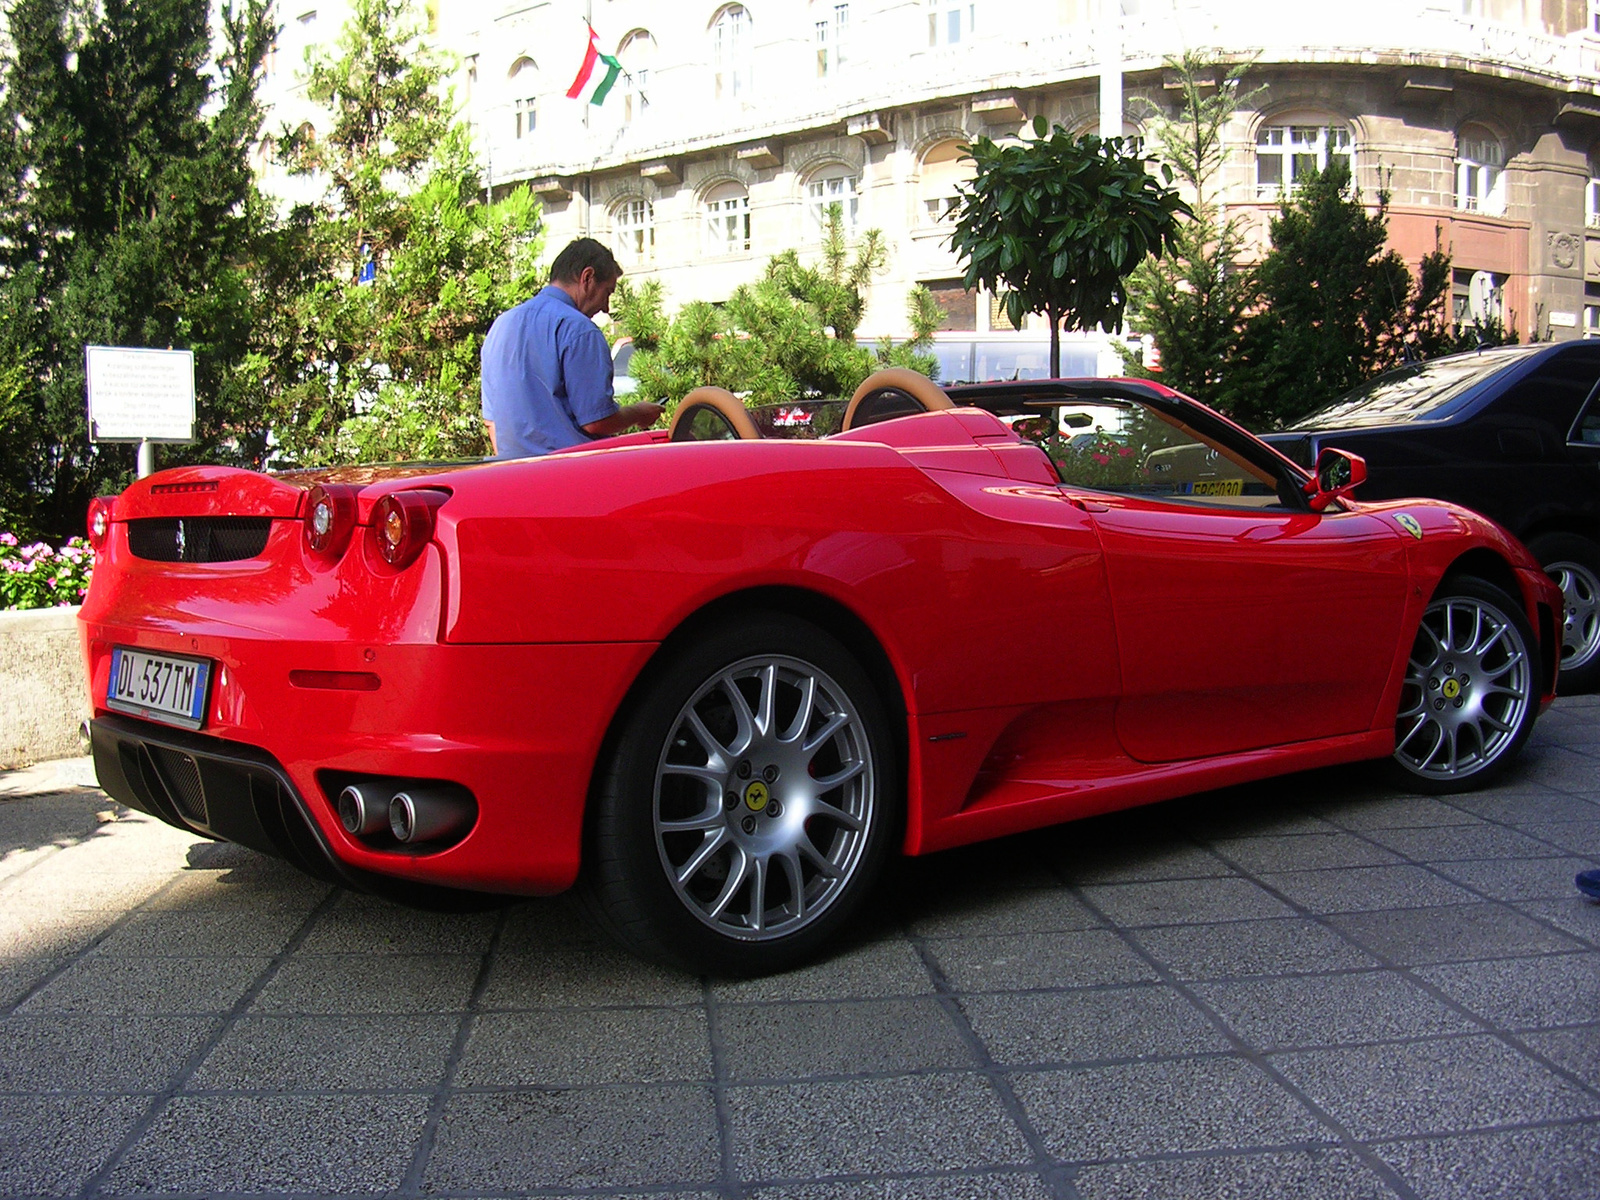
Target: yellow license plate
[(1219, 487)]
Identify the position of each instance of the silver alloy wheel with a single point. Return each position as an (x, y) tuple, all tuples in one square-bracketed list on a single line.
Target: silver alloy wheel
[(765, 794), (1580, 626), (1469, 685)]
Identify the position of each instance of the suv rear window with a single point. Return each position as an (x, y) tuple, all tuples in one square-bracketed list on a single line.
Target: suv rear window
[(1421, 392)]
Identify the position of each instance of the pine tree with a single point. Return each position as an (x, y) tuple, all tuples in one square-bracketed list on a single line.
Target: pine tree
[(124, 220)]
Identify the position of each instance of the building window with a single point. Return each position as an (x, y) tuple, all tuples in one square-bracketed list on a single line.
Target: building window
[(269, 60), (471, 73), (727, 219), (831, 25), (524, 87), (1591, 198), (634, 229), (1594, 18), (942, 174), (1480, 172), (834, 186), (730, 53), (1287, 152), (950, 22), (637, 55), (1591, 310)]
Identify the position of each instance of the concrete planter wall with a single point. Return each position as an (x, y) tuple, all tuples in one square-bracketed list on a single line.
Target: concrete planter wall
[(43, 696)]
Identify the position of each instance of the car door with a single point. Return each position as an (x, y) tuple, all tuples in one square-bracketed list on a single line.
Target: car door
[(1243, 619)]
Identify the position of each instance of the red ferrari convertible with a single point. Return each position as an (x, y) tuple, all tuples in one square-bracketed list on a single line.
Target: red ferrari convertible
[(714, 676)]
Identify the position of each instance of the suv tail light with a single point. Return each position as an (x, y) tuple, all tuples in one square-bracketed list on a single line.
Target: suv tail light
[(330, 519), (402, 524)]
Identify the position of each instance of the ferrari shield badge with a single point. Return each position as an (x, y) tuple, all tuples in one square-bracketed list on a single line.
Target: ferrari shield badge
[(1409, 523), (755, 796)]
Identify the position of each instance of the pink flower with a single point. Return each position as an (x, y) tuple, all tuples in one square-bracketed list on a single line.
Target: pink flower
[(1124, 452), (1102, 459), (8, 539)]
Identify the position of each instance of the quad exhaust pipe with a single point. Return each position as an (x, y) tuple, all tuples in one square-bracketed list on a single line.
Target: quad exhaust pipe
[(412, 812)]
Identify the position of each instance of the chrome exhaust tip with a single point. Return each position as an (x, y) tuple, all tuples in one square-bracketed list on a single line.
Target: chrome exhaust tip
[(364, 807), (427, 814)]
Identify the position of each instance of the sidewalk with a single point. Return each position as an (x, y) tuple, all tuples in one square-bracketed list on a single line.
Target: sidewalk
[(1306, 988)]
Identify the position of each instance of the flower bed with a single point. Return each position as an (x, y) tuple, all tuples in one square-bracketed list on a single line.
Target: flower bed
[(39, 575)]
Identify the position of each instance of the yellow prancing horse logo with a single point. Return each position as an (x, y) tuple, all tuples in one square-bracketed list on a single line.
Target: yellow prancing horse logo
[(1409, 523), (1451, 689), (755, 796)]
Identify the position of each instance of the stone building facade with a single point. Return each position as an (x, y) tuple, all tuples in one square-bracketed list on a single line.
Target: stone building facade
[(738, 123)]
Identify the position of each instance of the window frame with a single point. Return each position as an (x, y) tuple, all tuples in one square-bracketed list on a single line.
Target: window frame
[(817, 202), (723, 211), (1291, 150), (732, 74), (831, 36), (634, 220), (1480, 185), (946, 26)]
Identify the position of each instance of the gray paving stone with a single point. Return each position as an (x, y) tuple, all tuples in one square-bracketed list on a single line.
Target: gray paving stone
[(1454, 933), (123, 984), (307, 1143), (1010, 910), (1575, 1050), (1517, 878), (1091, 958), (996, 1185), (1090, 1025), (1523, 809), (359, 983), (73, 1053), (51, 1145), (1228, 822), (1185, 902), (1138, 1109), (576, 1048), (33, 933), (797, 1041), (1138, 863), (585, 1138), (1524, 993), (1367, 889), (271, 886), (1558, 1163), (1575, 915), (1301, 1174), (395, 1050), (583, 975), (887, 967), (1330, 1010), (1581, 838), (1392, 812), (1556, 766), (367, 925), (19, 976), (188, 934), (1303, 852), (1291, 946), (535, 925), (1457, 843), (1451, 1085), (916, 1123)]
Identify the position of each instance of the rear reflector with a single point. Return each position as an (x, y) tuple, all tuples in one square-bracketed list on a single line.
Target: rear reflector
[(337, 681)]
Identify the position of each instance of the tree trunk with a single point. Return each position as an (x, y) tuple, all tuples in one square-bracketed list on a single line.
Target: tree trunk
[(1055, 342)]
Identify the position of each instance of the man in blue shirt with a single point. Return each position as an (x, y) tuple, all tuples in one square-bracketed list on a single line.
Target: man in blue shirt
[(547, 367)]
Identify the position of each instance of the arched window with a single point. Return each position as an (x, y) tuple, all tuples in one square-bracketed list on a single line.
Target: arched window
[(1480, 171), (727, 219), (730, 53), (942, 170), (830, 24), (633, 228), (837, 184), (524, 81), (1293, 146), (951, 22), (637, 54)]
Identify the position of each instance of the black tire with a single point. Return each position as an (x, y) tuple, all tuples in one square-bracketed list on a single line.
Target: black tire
[(1471, 693), (1574, 563), (725, 848)]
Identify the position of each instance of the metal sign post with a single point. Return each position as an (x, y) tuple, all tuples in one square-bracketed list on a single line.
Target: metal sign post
[(138, 395)]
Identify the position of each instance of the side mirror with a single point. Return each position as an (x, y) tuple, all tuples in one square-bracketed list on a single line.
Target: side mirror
[(1338, 474)]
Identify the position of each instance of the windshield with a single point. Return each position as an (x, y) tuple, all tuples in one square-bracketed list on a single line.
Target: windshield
[(1420, 392)]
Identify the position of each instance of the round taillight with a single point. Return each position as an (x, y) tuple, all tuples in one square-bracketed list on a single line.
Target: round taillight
[(330, 519), (99, 521), (402, 524)]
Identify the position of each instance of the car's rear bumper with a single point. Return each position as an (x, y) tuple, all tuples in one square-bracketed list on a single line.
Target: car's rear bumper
[(519, 727)]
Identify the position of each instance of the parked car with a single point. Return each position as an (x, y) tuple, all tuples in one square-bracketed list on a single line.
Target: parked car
[(717, 678), (1513, 433)]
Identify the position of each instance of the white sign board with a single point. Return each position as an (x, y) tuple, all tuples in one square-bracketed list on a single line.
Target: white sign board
[(140, 395)]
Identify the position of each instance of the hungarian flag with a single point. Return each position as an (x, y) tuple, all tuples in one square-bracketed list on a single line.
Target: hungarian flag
[(595, 77)]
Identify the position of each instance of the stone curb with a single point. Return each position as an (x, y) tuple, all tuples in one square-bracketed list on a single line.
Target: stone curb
[(43, 695)]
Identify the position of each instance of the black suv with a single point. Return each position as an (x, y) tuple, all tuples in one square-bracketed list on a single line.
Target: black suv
[(1513, 433)]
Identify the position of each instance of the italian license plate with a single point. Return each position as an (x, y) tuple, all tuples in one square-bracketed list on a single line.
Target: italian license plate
[(159, 687)]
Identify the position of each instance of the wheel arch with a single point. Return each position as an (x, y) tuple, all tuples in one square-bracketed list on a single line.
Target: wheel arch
[(821, 610), (1483, 563)]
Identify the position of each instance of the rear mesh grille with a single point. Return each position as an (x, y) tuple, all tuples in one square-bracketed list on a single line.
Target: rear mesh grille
[(198, 539), (182, 778)]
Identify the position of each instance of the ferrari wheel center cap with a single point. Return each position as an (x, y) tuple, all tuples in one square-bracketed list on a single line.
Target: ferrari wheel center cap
[(1451, 689), (755, 795)]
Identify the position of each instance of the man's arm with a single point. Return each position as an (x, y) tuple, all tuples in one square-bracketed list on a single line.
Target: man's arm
[(494, 446), (633, 416)]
